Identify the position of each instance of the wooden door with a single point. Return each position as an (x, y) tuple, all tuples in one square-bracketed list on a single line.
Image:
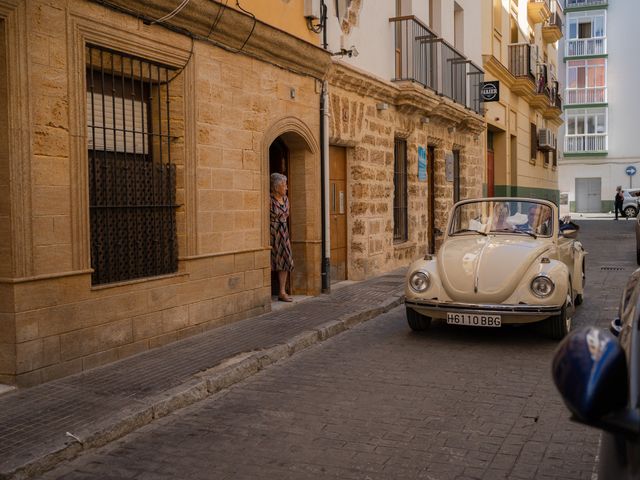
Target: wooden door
[(337, 213), (431, 198), (490, 174)]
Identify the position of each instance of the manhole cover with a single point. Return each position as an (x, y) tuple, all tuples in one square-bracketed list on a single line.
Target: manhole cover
[(611, 267)]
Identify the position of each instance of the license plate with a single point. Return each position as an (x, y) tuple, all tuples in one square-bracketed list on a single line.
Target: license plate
[(474, 319)]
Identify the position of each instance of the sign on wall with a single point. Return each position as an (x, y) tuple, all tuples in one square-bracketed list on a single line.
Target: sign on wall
[(490, 91), (422, 164)]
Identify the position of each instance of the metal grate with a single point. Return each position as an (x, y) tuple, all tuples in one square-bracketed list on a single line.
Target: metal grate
[(400, 233), (132, 182), (611, 267)]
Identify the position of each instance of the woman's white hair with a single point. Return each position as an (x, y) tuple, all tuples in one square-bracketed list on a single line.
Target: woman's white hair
[(277, 179)]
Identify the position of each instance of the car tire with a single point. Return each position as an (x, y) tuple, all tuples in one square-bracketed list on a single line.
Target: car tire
[(558, 326), (638, 255), (630, 212), (579, 299), (417, 321)]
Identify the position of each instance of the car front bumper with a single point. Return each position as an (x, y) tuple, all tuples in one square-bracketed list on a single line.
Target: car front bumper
[(510, 313)]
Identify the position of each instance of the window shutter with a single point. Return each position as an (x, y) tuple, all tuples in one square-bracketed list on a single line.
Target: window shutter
[(534, 141)]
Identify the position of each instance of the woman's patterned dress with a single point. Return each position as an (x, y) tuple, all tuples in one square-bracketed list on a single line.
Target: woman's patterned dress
[(281, 257)]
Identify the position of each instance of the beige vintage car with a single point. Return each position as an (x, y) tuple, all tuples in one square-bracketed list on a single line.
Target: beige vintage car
[(502, 261)]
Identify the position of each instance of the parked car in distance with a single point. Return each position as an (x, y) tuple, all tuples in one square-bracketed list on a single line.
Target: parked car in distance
[(630, 202), (503, 260), (598, 377)]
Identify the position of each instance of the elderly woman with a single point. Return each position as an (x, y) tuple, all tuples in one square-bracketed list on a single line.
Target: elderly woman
[(281, 257)]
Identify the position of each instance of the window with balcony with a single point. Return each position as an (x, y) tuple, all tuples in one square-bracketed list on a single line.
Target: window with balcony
[(586, 33), (586, 130), (586, 81)]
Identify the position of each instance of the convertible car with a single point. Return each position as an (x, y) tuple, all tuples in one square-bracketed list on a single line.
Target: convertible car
[(502, 261)]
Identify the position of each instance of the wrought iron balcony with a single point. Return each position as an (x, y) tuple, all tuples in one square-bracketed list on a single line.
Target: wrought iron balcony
[(522, 61), (422, 57), (539, 10), (552, 29)]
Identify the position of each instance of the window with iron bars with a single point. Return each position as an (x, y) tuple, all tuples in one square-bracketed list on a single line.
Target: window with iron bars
[(132, 180), (400, 232)]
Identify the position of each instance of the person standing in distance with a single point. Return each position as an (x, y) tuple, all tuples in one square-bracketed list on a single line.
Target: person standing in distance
[(619, 200), (281, 256)]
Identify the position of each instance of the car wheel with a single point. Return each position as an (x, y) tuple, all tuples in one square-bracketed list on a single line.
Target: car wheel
[(417, 321), (578, 300), (638, 255), (558, 326), (630, 212)]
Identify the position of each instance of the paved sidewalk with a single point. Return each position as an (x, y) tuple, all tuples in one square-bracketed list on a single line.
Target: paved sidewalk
[(43, 425)]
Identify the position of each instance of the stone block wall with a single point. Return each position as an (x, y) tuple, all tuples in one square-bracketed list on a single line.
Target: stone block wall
[(367, 115), (226, 109)]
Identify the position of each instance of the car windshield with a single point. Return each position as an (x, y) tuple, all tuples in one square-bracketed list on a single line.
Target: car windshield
[(503, 217)]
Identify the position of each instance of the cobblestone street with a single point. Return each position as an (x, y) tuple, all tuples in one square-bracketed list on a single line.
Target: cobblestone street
[(381, 402)]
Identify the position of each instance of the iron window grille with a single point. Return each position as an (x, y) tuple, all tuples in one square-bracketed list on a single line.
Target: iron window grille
[(132, 181), (400, 231)]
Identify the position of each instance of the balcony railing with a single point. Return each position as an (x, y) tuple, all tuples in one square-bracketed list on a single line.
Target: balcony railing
[(586, 95), (555, 20), (584, 3), (586, 46), (586, 143), (422, 57), (521, 61)]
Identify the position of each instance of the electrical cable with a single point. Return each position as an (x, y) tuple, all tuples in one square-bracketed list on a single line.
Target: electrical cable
[(172, 14), (217, 19), (252, 28)]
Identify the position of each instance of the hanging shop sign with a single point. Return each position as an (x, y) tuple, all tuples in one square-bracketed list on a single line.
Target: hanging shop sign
[(490, 91)]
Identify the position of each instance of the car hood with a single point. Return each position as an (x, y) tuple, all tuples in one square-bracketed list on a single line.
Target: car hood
[(479, 269)]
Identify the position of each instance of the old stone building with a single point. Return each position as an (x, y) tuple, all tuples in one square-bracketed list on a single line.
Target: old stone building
[(134, 164), (137, 142), (400, 91)]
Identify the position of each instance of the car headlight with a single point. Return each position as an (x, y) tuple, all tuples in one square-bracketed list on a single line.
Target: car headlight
[(419, 281), (542, 286)]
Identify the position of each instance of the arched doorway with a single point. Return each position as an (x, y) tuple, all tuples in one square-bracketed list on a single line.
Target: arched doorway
[(279, 163), (293, 152)]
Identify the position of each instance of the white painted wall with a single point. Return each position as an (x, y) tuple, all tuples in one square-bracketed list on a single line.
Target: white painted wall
[(623, 71), (373, 36)]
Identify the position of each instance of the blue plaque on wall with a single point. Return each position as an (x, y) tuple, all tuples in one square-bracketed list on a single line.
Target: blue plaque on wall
[(422, 164)]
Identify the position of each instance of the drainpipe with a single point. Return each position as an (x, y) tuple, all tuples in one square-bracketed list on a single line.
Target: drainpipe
[(324, 180)]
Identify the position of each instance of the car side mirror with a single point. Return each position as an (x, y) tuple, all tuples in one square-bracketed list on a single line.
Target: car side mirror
[(569, 232), (590, 371)]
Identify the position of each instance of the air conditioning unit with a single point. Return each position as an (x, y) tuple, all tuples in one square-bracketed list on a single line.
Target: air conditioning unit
[(312, 9), (546, 139)]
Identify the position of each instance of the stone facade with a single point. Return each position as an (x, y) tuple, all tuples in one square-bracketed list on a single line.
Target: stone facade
[(227, 109), (369, 134)]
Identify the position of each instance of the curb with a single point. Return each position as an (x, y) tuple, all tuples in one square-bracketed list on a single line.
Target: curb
[(201, 386)]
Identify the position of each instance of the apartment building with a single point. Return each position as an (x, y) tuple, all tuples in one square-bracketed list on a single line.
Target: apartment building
[(520, 58), (406, 132), (600, 151)]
